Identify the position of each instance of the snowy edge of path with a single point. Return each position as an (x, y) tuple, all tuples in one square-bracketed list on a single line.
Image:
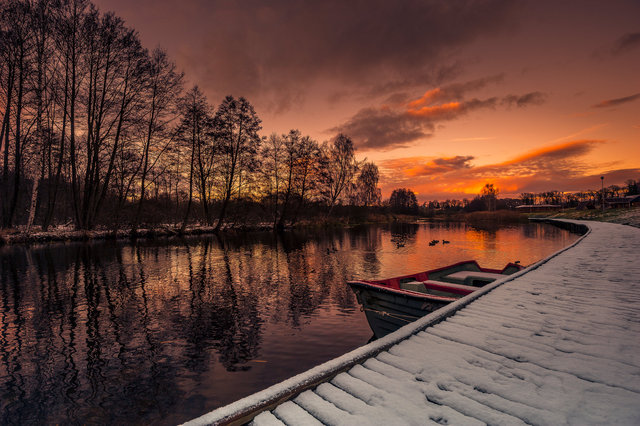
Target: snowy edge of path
[(248, 407)]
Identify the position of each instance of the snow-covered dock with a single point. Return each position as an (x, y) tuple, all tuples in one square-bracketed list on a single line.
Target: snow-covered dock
[(558, 343)]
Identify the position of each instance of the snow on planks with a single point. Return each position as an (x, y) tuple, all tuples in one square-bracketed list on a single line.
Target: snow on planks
[(555, 344)]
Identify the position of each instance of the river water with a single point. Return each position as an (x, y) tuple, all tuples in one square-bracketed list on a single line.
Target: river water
[(164, 330)]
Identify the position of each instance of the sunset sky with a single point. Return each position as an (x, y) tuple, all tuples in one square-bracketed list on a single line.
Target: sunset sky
[(443, 96)]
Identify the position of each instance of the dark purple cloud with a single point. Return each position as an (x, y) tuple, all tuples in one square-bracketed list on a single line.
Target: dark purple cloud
[(532, 98), (627, 42), (617, 101), (383, 128), (457, 162), (278, 48), (444, 165)]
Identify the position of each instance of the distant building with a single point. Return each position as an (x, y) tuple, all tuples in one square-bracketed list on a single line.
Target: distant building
[(622, 202)]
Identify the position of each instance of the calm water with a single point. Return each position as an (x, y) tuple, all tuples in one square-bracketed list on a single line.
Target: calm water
[(163, 331)]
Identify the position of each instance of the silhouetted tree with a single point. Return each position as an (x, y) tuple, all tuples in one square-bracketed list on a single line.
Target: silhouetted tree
[(403, 200), (489, 194), (236, 127), (341, 167), (163, 86), (18, 42), (193, 130), (367, 191), (528, 198), (306, 172)]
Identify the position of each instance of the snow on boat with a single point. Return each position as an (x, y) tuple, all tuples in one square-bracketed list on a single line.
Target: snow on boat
[(391, 303)]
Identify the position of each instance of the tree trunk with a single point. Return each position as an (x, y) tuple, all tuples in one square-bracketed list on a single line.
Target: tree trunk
[(18, 143), (6, 123), (34, 201), (186, 214)]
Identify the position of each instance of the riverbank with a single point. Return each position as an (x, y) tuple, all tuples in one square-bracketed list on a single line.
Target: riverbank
[(19, 235)]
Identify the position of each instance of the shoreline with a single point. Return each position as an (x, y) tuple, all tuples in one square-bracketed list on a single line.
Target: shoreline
[(61, 234)]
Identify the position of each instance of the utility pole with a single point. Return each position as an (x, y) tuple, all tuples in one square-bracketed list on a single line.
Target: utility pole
[(602, 194)]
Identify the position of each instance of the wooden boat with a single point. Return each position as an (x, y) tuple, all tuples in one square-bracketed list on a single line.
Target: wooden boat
[(391, 303)]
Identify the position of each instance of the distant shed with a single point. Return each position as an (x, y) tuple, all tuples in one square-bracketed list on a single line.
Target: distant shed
[(621, 202)]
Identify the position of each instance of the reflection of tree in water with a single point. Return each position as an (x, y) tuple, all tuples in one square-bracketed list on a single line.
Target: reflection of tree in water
[(220, 316), (368, 240), (11, 339), (403, 233), (304, 297), (91, 349), (106, 331)]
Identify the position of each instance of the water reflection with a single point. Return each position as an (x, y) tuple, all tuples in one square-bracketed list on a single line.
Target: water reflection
[(163, 331)]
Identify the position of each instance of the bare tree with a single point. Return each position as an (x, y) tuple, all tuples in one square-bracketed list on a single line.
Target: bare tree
[(236, 127), (41, 22), (307, 172), (7, 84), (489, 194), (164, 85), (292, 152), (272, 154), (367, 191), (403, 200), (192, 130), (19, 44), (341, 169)]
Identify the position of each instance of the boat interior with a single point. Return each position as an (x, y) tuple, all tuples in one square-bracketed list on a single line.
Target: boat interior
[(451, 281)]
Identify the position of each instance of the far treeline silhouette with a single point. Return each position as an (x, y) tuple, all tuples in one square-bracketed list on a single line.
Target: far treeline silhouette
[(97, 130)]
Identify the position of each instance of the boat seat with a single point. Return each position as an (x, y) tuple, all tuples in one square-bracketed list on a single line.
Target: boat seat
[(413, 286), (438, 284), (437, 287), (469, 277)]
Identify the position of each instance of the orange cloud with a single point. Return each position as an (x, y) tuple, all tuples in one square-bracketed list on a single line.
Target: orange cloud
[(426, 99), (437, 111), (427, 166), (577, 147)]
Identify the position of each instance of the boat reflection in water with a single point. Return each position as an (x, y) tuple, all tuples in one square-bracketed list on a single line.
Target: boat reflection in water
[(394, 302)]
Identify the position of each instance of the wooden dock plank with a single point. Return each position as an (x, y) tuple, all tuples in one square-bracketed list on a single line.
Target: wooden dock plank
[(292, 414)]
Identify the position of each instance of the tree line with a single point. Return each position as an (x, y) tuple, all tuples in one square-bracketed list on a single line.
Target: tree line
[(404, 200), (573, 199), (98, 130)]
